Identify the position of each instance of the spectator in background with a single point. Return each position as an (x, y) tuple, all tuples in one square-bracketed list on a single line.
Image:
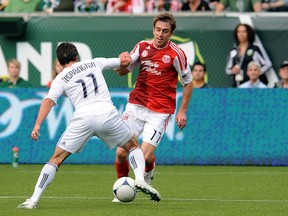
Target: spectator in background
[(138, 6), (283, 73), (275, 5), (253, 72), (213, 4), (195, 5), (251, 6), (65, 6), (3, 4), (14, 80), (163, 5), (102, 5), (125, 6), (231, 5), (116, 6), (50, 6), (198, 74), (86, 6), (57, 68), (22, 6), (243, 52)]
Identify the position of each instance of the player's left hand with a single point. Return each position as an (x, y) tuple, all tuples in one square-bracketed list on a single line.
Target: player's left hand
[(181, 120)]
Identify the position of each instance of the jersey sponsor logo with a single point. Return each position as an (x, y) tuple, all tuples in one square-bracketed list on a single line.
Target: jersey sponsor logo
[(144, 53), (166, 59), (150, 67)]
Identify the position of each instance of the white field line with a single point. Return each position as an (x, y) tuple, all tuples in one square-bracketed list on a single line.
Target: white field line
[(170, 199), (170, 173)]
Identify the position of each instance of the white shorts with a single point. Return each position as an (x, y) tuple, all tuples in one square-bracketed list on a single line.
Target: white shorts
[(142, 120), (101, 120)]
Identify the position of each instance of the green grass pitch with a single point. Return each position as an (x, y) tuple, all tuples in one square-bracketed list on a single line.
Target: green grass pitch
[(186, 190)]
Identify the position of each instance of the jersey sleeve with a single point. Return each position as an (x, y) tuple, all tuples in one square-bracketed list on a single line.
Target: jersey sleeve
[(55, 91), (183, 70), (107, 63), (135, 54)]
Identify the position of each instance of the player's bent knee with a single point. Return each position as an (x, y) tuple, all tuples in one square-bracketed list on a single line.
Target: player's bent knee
[(131, 144), (121, 154)]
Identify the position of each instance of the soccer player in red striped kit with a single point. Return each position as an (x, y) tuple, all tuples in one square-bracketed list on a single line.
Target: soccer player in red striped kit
[(153, 100)]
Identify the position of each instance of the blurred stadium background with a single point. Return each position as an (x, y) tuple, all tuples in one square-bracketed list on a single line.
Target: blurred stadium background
[(225, 126), (205, 37)]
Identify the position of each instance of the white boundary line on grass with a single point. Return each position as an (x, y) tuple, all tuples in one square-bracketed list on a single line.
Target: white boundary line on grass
[(173, 173), (172, 199)]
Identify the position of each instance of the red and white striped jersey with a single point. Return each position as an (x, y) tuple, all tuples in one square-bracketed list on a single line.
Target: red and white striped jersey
[(158, 75)]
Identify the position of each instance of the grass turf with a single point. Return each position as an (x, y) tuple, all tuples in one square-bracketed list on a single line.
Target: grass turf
[(186, 190)]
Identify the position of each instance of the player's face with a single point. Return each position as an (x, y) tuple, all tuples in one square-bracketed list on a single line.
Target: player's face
[(242, 34), (162, 33)]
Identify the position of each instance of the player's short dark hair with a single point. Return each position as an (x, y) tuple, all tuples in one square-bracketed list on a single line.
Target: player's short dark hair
[(250, 33), (66, 52), (166, 17), (199, 64)]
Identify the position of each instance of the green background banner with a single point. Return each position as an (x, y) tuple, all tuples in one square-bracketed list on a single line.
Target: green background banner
[(205, 38), (225, 127)]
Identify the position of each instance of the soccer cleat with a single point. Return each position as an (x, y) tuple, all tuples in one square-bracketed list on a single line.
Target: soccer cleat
[(28, 204), (115, 200), (147, 189)]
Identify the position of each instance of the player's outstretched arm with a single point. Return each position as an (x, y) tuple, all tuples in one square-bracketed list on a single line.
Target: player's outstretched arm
[(45, 108)]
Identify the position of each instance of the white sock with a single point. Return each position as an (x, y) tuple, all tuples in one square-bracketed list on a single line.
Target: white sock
[(137, 162), (151, 172), (45, 178)]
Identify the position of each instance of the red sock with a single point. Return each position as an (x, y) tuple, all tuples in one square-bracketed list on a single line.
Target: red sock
[(150, 166), (122, 169)]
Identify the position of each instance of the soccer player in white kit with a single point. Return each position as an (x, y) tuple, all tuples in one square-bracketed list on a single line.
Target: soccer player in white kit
[(153, 100), (95, 115)]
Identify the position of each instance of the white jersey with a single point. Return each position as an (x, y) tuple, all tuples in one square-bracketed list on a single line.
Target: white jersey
[(95, 115), (83, 83)]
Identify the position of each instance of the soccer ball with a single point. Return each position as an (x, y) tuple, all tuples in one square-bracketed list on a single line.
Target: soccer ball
[(124, 190)]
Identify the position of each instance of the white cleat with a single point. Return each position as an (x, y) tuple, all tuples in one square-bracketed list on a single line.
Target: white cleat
[(147, 189), (115, 200), (28, 204)]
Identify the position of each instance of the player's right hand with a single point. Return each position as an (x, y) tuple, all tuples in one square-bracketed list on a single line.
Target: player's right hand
[(125, 59), (35, 133)]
